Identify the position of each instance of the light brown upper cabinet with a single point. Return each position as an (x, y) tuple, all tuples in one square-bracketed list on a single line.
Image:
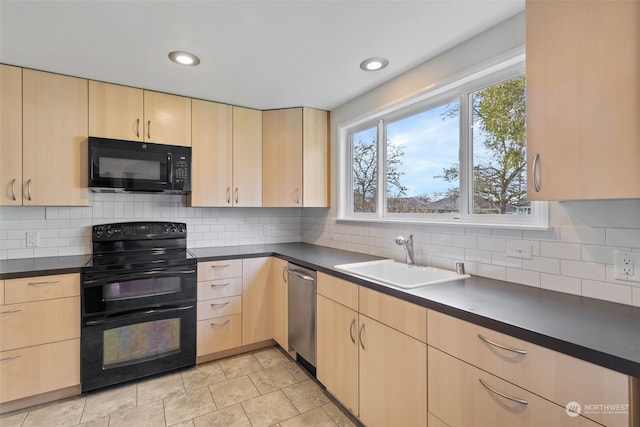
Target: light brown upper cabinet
[(247, 157), (295, 158), (583, 99), (122, 112), (54, 144), (10, 136), (212, 154)]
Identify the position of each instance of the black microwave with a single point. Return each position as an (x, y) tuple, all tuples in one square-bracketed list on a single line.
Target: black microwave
[(116, 165)]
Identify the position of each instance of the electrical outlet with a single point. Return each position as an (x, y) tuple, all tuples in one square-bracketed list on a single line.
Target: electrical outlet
[(519, 250), (33, 239), (626, 266)]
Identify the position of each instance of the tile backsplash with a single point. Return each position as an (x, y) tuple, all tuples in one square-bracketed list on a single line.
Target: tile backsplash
[(571, 258), (67, 230), (576, 256)]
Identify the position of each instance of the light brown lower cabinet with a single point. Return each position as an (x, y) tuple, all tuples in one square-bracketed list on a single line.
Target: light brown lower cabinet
[(38, 369), (219, 334), (462, 395), (280, 302), (39, 340), (393, 372), (377, 372), (337, 354)]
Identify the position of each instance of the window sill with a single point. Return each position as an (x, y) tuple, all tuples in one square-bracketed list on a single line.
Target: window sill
[(448, 223)]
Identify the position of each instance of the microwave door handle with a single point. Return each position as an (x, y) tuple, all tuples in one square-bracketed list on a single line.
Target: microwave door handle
[(133, 276), (170, 169)]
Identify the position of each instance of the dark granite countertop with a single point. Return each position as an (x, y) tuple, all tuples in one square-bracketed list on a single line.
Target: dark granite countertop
[(600, 332)]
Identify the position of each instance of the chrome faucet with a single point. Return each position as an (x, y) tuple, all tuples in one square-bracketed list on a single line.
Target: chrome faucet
[(408, 246)]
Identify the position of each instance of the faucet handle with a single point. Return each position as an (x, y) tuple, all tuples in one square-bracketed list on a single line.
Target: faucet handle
[(460, 268)]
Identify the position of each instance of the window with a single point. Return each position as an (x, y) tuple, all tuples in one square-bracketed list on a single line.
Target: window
[(457, 154)]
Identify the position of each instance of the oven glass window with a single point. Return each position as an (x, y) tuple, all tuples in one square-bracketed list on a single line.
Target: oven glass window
[(140, 342), (140, 288), (115, 167)]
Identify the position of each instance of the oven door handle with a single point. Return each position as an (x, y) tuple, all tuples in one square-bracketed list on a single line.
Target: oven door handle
[(130, 276), (138, 313)]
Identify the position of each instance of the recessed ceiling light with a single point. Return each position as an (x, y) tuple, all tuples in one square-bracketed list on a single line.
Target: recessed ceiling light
[(374, 64), (184, 58)]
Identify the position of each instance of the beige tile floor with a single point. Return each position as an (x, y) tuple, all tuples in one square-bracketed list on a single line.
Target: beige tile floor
[(263, 388)]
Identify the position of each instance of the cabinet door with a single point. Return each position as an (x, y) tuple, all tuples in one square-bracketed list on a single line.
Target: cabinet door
[(247, 157), (337, 356), (457, 397), (221, 333), (39, 322), (212, 154), (280, 302), (315, 158), (282, 158), (10, 136), (115, 111), (167, 119), (38, 369), (257, 301), (55, 131), (393, 376), (582, 99)]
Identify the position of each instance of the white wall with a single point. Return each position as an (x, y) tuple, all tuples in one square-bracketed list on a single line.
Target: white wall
[(67, 230), (576, 256)]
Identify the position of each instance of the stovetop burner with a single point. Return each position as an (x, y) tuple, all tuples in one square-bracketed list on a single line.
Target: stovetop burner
[(133, 245)]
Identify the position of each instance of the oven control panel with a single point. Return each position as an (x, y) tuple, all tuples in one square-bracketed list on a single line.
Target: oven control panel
[(139, 231)]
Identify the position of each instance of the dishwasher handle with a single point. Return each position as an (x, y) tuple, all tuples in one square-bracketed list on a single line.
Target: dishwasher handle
[(301, 275)]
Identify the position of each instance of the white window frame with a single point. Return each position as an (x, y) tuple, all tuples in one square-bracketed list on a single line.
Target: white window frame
[(458, 88)]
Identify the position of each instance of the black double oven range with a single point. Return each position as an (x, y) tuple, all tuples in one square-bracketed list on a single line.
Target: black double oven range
[(138, 303)]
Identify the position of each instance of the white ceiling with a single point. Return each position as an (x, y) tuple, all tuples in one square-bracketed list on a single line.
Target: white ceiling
[(261, 54)]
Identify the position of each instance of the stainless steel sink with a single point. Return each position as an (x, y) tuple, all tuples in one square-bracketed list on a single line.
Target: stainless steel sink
[(399, 274)]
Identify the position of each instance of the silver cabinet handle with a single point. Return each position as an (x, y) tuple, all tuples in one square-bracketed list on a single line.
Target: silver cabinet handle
[(48, 282), (220, 324), (536, 184), (11, 311), (297, 196), (360, 336), (220, 266), (220, 304), (138, 128), (148, 129), (285, 270), (13, 189), (495, 344), (353, 322), (29, 189), (11, 357), (236, 195), (215, 285), (513, 399), (228, 195)]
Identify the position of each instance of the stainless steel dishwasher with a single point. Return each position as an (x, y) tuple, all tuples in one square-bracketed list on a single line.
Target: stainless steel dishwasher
[(302, 314)]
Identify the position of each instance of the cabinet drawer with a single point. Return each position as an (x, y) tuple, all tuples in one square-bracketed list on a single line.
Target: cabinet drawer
[(553, 375), (41, 288), (39, 369), (222, 333), (219, 307), (346, 293), (401, 315), (39, 322), (219, 288), (212, 270), (457, 397)]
